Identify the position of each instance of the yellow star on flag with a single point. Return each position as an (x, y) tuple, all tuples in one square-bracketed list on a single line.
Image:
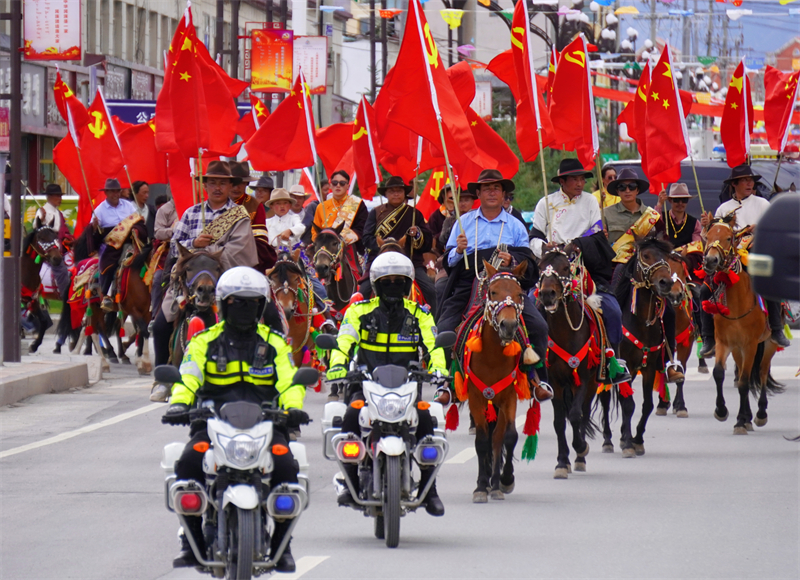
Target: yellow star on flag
[(654, 95), (738, 83), (665, 103), (734, 106), (187, 44), (474, 123), (299, 104), (185, 76)]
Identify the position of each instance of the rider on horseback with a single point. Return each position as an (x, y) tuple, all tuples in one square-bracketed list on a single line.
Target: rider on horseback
[(389, 329)]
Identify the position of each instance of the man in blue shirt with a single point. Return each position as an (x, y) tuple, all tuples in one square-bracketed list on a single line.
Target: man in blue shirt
[(485, 230)]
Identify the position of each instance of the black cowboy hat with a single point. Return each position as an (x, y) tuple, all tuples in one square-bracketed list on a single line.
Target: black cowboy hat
[(571, 167), (240, 171), (219, 169), (53, 189), (627, 174), (449, 187), (111, 184), (265, 181), (490, 176), (740, 171), (395, 181)]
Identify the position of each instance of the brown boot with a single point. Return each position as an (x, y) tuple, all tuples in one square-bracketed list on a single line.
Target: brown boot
[(675, 373), (541, 393)]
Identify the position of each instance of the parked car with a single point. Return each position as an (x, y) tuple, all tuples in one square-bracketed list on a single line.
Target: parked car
[(774, 261)]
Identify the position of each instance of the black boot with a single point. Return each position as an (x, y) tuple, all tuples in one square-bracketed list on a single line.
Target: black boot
[(775, 314), (709, 347), (186, 557), (707, 328), (286, 562), (621, 372), (346, 498), (433, 504)]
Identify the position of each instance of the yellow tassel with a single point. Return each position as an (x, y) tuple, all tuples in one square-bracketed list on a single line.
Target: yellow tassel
[(530, 357), (475, 344), (461, 387), (512, 349)]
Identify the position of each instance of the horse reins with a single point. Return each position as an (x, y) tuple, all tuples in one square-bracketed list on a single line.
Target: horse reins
[(647, 284), (566, 283), (730, 262), (494, 307)]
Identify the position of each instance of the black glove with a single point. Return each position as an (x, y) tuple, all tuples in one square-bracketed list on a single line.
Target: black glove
[(297, 417), (177, 414)]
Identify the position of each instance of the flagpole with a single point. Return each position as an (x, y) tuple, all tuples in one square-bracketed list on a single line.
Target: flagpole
[(416, 177), (601, 188), (202, 202), (86, 182), (697, 185), (456, 190)]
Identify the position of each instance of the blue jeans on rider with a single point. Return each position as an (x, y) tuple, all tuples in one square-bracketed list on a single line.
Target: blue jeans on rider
[(612, 317), (318, 287)]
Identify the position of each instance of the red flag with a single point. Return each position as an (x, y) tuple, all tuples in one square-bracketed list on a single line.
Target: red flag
[(551, 72), (67, 158), (286, 139), (253, 119), (781, 94), (665, 127), (428, 200), (493, 146), (144, 161), (572, 106), (365, 152), (502, 66), (737, 118), (308, 185), (66, 99), (181, 181), (533, 121), (634, 114), (333, 142), (99, 146)]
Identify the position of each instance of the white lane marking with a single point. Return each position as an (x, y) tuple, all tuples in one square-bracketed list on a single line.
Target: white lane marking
[(81, 431), (304, 565), (466, 454)]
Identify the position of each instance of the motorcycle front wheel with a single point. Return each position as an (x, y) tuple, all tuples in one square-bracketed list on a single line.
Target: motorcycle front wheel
[(241, 543), (391, 501)]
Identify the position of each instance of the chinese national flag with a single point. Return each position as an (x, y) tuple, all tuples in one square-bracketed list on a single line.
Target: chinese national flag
[(429, 199), (286, 140), (365, 151), (66, 99), (333, 143), (181, 184), (99, 147), (252, 120), (665, 126), (737, 118), (533, 121), (572, 106), (144, 161), (781, 91), (634, 114)]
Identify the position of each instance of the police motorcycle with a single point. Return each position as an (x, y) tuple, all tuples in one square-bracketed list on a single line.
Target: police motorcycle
[(234, 501), (387, 448)]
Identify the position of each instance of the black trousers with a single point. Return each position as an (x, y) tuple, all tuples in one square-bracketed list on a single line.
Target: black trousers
[(162, 332)]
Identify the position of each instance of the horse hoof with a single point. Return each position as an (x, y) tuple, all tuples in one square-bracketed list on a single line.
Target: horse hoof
[(506, 488), (472, 430), (125, 360), (608, 448), (740, 430), (703, 369), (113, 360), (580, 466), (719, 417), (759, 421), (638, 448), (661, 412), (496, 494), (682, 414), (569, 468), (144, 367), (748, 426), (584, 453), (480, 497), (561, 473), (628, 453), (159, 393)]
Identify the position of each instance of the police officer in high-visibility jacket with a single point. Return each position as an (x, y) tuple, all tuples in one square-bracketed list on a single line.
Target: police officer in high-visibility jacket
[(390, 329), (237, 360)]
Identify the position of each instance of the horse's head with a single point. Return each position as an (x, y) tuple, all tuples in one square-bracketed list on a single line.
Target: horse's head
[(328, 248), (504, 300), (720, 244), (651, 267), (199, 273), (555, 281), (286, 277), (45, 243), (680, 275), (391, 245)]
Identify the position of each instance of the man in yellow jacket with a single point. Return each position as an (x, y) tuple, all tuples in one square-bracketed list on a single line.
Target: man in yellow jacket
[(237, 360)]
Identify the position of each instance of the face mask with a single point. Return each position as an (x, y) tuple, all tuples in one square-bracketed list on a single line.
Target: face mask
[(243, 314), (392, 292)]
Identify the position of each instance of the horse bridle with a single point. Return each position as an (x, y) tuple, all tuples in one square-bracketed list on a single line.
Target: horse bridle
[(285, 288), (566, 286), (42, 248), (647, 271), (728, 255), (494, 307), (335, 258), (187, 284)]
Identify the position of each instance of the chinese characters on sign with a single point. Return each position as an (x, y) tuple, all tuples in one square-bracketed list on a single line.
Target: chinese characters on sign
[(271, 61), (52, 29), (311, 53), (4, 130)]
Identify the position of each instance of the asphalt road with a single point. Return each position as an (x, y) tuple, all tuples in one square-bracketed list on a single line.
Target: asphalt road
[(82, 497)]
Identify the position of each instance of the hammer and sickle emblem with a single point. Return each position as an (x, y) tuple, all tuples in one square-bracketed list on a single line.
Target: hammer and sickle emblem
[(360, 133), (99, 127), (430, 47), (518, 31), (579, 58)]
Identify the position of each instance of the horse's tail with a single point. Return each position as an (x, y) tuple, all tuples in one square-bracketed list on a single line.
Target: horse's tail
[(590, 426), (772, 386)]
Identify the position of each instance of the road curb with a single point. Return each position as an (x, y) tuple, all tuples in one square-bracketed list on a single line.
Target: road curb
[(22, 380)]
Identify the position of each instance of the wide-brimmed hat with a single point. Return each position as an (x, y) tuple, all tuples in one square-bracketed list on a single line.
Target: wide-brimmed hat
[(740, 171), (219, 169), (265, 181), (627, 174), (490, 176), (111, 184), (53, 189), (395, 181), (679, 191), (279, 194), (571, 167), (240, 171), (298, 190)]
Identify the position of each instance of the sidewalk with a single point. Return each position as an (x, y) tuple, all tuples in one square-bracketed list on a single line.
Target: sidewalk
[(46, 373)]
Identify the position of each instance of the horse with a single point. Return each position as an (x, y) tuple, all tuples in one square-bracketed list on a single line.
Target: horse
[(572, 356), (491, 361), (741, 327), (40, 245), (134, 301), (294, 295), (329, 249), (642, 285), (195, 278)]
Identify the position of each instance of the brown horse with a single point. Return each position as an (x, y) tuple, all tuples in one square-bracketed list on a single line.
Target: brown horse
[(572, 357), (741, 327), (40, 246), (293, 293), (329, 258), (489, 377), (135, 302), (195, 278)]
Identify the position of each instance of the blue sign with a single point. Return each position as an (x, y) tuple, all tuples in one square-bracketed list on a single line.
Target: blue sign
[(137, 112), (754, 62), (329, 30)]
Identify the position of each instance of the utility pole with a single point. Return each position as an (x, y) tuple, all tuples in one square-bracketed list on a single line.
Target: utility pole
[(685, 48), (653, 21), (695, 46), (724, 55), (235, 38), (710, 26), (372, 59), (384, 44)]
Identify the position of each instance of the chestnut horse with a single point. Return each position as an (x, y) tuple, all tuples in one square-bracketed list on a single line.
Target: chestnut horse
[(294, 295), (572, 357), (330, 254), (740, 327), (40, 245), (489, 373), (135, 302)]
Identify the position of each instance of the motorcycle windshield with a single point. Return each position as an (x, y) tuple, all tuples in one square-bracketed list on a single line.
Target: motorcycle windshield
[(241, 414), (390, 376)]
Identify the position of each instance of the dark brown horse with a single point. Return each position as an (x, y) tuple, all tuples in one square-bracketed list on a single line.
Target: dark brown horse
[(332, 266), (41, 245), (294, 295), (740, 328), (572, 356), (195, 277), (135, 303)]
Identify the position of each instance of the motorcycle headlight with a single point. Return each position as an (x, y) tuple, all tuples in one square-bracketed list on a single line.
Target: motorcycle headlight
[(241, 450), (391, 406)]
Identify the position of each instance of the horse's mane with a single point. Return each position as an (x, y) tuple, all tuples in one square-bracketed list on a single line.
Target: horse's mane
[(286, 260), (622, 290), (83, 246), (180, 264), (26, 243), (141, 258)]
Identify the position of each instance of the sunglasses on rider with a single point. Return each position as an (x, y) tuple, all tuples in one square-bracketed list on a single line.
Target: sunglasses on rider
[(340, 183), (681, 200), (628, 186)]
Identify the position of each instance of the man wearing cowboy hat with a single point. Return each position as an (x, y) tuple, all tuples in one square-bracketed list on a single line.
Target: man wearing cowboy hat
[(681, 228), (240, 171), (50, 216), (305, 211), (284, 228), (396, 219), (574, 217), (749, 208), (621, 216), (437, 218), (263, 188)]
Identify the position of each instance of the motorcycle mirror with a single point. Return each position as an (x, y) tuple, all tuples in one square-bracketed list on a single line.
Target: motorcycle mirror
[(305, 376), (326, 342), (445, 339), (167, 374)]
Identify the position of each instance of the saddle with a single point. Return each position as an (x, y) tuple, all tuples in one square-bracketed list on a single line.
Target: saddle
[(80, 295)]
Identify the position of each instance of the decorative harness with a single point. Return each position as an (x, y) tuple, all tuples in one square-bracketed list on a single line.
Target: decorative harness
[(38, 250), (304, 285), (336, 264), (727, 274)]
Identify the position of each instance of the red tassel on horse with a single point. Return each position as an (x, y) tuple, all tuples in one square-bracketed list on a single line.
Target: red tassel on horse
[(451, 420), (491, 414), (532, 418), (625, 390)]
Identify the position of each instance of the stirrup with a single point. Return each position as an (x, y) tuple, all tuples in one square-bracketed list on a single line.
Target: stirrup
[(677, 366), (546, 387)]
